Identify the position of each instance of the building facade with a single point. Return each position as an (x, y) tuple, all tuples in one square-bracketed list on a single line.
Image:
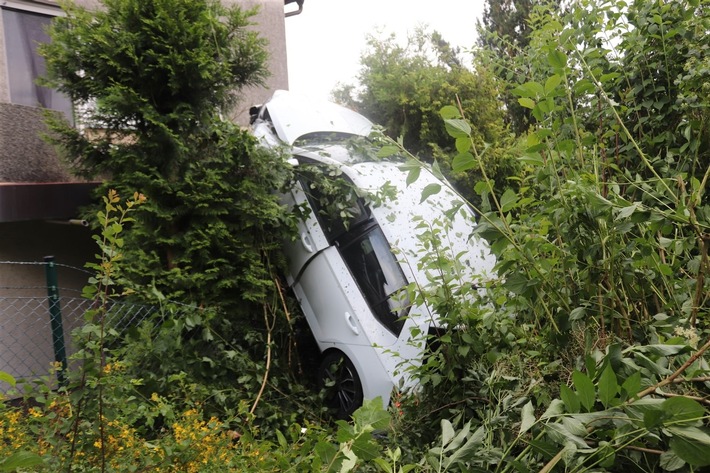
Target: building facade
[(39, 198)]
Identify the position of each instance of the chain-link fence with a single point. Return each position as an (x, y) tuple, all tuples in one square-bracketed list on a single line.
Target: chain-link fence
[(40, 307)]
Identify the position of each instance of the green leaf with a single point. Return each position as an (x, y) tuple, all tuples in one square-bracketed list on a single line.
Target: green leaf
[(627, 211), (412, 173), (371, 413), (653, 418), (281, 439), (671, 462), (533, 159), (457, 127), (7, 378), (584, 86), (570, 399), (608, 77), (555, 408), (526, 102), (632, 385), (608, 386), (516, 283), (585, 389), (606, 454), (529, 89), (21, 459), (463, 162), (527, 417), (541, 447), (448, 112), (659, 349), (638, 409), (463, 144), (469, 449), (387, 151), (557, 59), (430, 190), (561, 434), (508, 200), (457, 440), (680, 409), (365, 448), (447, 432), (691, 444), (551, 83)]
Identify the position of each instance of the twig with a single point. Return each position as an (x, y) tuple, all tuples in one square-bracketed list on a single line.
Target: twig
[(551, 464), (645, 450), (284, 306), (694, 398), (699, 379), (269, 330), (678, 372)]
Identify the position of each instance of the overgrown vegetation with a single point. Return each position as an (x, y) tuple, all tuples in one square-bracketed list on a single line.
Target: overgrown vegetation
[(588, 353), (152, 82), (403, 88)]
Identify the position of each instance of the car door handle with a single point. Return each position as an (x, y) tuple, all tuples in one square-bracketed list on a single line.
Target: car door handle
[(350, 320), (306, 242)]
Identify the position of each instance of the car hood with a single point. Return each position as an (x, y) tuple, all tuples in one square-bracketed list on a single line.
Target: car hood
[(293, 116)]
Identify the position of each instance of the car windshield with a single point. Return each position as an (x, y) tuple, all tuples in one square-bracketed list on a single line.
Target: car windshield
[(345, 149)]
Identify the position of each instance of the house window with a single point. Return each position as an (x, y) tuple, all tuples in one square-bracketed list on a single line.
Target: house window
[(24, 31)]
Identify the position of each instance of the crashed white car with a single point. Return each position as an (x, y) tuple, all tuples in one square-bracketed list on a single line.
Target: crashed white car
[(351, 266)]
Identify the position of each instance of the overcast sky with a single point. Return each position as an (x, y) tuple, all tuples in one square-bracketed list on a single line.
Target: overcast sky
[(325, 41)]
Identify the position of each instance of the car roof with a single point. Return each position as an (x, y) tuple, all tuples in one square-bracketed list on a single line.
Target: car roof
[(294, 115)]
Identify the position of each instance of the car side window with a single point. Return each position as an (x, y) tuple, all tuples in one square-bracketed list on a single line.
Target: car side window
[(337, 207), (379, 276), (347, 223)]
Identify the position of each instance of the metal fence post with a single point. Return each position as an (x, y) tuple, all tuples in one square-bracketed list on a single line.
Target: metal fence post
[(55, 317)]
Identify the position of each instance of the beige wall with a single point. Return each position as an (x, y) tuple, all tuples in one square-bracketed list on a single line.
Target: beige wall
[(270, 24)]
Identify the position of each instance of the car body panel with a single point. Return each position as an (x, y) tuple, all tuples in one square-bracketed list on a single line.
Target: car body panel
[(293, 116)]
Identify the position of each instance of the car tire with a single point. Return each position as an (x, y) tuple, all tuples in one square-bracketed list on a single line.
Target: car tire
[(340, 385)]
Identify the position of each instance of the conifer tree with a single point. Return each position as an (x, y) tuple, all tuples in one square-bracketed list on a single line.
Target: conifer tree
[(152, 80)]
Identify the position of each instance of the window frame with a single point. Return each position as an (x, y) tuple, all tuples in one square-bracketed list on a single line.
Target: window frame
[(57, 101)]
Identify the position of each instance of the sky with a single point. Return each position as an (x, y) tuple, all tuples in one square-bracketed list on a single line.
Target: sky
[(325, 41)]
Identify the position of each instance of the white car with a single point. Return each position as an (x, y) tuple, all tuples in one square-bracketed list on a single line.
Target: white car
[(350, 266)]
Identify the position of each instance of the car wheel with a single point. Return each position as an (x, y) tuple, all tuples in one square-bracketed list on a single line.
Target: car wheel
[(341, 385)]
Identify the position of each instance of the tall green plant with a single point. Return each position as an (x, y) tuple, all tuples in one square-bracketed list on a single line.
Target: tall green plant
[(601, 309), (404, 87)]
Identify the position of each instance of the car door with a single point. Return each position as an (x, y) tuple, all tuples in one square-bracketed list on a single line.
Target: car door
[(319, 278), (344, 272)]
